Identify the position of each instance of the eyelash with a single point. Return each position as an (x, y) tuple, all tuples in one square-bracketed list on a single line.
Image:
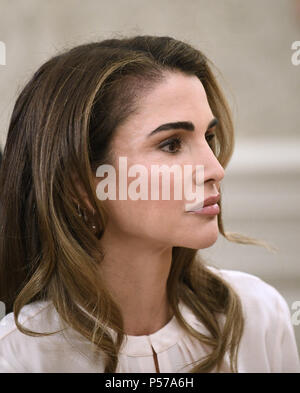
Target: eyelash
[(178, 139)]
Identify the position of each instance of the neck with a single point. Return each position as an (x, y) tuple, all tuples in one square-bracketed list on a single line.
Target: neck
[(136, 276)]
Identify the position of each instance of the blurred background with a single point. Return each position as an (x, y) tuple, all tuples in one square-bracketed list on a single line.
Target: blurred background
[(250, 43)]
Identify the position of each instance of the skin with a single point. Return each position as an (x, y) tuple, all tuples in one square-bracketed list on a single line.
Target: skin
[(140, 234)]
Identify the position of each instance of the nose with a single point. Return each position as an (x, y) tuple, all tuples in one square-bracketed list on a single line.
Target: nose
[(213, 170)]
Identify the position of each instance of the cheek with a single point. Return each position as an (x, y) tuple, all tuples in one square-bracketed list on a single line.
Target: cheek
[(160, 220), (145, 215)]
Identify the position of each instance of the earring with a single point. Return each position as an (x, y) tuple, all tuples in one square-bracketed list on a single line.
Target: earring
[(83, 214), (85, 217), (79, 210), (93, 225)]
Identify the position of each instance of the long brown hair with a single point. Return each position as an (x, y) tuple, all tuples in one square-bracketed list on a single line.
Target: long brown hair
[(61, 126)]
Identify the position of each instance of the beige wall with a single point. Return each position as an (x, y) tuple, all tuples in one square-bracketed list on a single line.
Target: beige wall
[(250, 42)]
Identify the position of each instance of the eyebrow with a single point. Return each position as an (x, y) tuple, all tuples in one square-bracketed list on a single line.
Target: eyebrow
[(184, 125)]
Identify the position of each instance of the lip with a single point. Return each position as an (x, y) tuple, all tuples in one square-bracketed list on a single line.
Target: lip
[(211, 200), (209, 207)]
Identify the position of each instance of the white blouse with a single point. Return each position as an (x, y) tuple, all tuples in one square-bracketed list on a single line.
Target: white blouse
[(268, 343)]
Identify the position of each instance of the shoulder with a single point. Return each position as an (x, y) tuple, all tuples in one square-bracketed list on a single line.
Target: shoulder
[(39, 317), (268, 342), (255, 294), (62, 350), (30, 315), (36, 316)]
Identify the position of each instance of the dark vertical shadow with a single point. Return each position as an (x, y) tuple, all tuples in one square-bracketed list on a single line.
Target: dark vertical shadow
[(155, 360)]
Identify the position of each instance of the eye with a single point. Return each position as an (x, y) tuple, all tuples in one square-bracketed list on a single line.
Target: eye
[(210, 137), (173, 143)]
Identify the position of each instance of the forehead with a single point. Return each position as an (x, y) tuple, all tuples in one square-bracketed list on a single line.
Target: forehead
[(179, 97), (178, 87)]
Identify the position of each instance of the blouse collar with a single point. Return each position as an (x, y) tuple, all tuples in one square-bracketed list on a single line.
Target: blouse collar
[(161, 340)]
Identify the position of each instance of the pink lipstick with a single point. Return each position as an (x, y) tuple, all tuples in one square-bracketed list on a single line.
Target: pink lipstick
[(209, 207)]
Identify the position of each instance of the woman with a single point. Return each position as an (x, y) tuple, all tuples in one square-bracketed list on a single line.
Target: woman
[(117, 284)]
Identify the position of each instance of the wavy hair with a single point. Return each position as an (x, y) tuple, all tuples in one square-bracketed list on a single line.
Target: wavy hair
[(61, 127)]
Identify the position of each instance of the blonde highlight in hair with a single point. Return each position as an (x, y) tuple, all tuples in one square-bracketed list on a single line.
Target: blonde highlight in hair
[(61, 128)]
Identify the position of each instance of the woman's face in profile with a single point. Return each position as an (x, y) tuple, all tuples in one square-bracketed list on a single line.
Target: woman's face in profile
[(165, 223)]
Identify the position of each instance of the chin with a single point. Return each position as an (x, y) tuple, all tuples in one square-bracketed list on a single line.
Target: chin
[(201, 243), (208, 242), (201, 239)]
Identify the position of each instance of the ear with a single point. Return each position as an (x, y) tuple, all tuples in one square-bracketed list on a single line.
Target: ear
[(84, 201)]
